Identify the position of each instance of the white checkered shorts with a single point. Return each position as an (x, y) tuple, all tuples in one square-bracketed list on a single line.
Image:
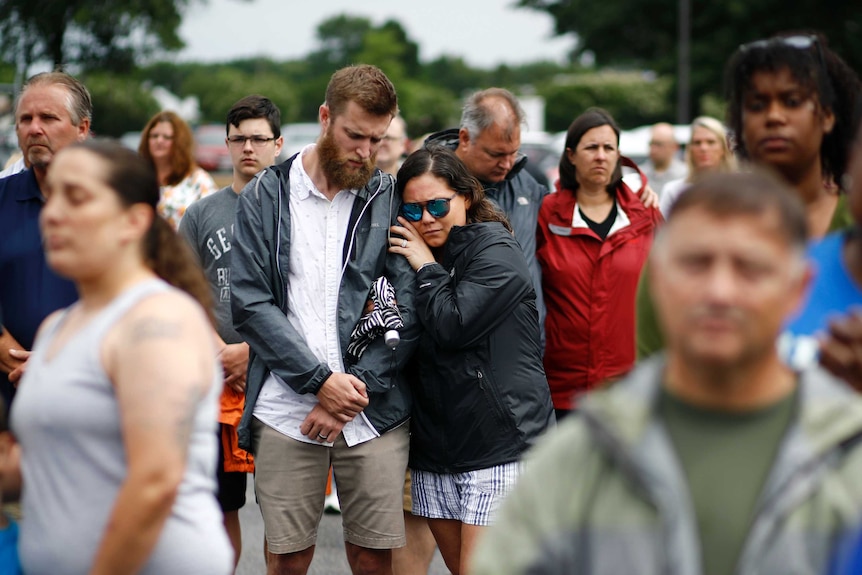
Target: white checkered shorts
[(471, 497)]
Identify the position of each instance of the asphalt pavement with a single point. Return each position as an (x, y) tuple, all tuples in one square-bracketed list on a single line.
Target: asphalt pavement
[(329, 557)]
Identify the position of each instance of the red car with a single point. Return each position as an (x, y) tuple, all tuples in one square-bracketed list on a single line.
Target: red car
[(211, 151)]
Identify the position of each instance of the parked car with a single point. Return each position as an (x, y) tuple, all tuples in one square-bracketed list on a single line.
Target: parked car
[(8, 143), (543, 157), (211, 151), (131, 140), (296, 137)]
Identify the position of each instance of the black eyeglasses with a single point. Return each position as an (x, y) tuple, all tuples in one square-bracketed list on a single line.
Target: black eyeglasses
[(256, 141), (438, 208)]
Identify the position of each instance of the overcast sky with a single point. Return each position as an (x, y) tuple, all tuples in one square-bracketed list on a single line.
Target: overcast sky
[(484, 32)]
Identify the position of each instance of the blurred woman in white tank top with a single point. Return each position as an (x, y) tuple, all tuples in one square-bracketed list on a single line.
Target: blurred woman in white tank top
[(116, 410)]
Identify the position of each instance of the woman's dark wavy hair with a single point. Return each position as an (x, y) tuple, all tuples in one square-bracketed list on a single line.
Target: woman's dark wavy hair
[(134, 181), (591, 118), (442, 163), (818, 70)]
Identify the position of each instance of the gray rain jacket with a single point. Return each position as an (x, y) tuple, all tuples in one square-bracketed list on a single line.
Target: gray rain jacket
[(607, 495), (259, 277)]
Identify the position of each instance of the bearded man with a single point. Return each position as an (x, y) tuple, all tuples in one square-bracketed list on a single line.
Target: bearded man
[(311, 237)]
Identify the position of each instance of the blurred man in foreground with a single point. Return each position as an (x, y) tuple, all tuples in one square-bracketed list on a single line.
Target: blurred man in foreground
[(716, 458)]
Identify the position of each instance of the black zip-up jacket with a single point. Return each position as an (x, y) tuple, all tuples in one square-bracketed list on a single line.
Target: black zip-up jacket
[(520, 196), (259, 277), (481, 397)]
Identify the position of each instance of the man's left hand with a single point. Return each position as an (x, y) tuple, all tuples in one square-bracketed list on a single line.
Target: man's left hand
[(234, 362), (320, 425)]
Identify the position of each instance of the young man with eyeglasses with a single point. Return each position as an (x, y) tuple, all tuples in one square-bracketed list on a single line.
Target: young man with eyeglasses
[(311, 238), (254, 141)]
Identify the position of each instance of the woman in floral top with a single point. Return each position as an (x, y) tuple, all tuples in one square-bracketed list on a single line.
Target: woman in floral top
[(168, 144)]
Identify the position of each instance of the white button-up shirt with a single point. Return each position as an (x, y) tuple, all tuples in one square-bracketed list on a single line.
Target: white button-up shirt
[(317, 236)]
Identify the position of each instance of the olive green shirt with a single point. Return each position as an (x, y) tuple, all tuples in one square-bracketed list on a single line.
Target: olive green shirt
[(725, 457)]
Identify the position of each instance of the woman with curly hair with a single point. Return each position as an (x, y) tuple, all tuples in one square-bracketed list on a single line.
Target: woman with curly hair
[(790, 102), (790, 106), (168, 144)]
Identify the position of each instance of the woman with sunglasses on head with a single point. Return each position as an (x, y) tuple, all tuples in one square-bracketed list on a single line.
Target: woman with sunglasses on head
[(480, 395), (593, 237), (790, 105), (790, 102), (116, 411), (168, 144)]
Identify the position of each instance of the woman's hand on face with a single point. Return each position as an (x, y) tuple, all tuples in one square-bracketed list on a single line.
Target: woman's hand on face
[(405, 240)]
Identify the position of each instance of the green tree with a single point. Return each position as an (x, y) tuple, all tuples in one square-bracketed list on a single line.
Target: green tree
[(384, 49), (170, 75), (341, 38), (427, 108), (344, 40), (632, 99), (643, 33), (217, 88), (92, 34), (120, 104), (454, 74)]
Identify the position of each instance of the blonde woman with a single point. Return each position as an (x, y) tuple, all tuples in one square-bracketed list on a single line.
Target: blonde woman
[(708, 150)]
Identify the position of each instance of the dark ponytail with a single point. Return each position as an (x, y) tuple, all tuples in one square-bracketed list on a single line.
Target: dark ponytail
[(168, 255), (165, 252)]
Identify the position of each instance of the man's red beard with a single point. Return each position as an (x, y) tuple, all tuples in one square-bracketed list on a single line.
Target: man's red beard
[(335, 166)]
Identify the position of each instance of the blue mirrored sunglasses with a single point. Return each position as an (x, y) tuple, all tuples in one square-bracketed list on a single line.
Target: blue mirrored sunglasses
[(437, 208)]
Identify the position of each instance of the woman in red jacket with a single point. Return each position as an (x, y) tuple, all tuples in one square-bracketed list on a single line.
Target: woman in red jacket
[(593, 237)]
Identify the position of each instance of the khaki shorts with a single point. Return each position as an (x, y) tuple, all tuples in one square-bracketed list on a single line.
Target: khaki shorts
[(290, 485), (407, 505)]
